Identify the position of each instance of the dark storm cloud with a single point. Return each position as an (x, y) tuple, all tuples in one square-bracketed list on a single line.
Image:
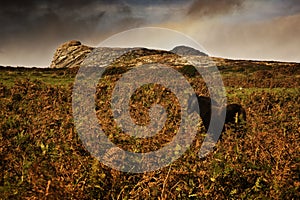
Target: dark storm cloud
[(208, 8), (63, 20), (31, 30), (293, 6), (200, 8), (73, 18), (34, 27), (16, 15)]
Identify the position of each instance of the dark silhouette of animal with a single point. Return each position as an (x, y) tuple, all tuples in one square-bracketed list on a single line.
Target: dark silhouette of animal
[(234, 112), (204, 105)]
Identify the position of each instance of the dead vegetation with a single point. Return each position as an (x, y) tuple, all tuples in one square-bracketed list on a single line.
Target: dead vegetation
[(42, 156)]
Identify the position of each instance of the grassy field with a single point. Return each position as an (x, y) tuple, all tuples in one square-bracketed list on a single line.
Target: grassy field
[(42, 156)]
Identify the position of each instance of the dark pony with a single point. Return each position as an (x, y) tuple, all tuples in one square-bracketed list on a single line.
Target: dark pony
[(235, 113)]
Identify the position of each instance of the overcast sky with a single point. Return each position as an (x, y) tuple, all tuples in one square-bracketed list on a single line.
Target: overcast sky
[(242, 29)]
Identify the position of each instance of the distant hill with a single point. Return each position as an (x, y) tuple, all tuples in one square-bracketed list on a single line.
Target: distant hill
[(71, 54), (187, 51)]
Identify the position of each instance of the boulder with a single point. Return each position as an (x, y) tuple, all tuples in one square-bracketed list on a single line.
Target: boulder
[(70, 54)]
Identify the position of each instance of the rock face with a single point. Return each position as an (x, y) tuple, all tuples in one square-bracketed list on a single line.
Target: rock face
[(70, 54), (187, 51)]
